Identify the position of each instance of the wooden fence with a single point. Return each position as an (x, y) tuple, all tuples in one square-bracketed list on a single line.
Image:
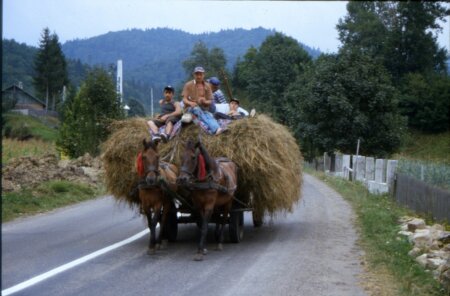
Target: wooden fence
[(422, 198)]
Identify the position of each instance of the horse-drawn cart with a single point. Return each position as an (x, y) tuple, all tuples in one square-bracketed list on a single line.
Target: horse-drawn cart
[(184, 212), (268, 159)]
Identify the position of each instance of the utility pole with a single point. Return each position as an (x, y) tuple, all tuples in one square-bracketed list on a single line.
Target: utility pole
[(151, 101)]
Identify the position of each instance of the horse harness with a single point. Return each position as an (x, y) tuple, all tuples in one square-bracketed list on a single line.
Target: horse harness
[(210, 182), (142, 184)]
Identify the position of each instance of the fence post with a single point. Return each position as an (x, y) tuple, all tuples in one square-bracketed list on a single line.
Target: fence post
[(346, 165), (370, 168), (390, 173), (379, 171)]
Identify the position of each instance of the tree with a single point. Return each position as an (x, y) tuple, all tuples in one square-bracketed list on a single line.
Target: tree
[(414, 46), (365, 27), (402, 35), (425, 100), (265, 73), (212, 60), (342, 98), (136, 108), (51, 69), (88, 115)]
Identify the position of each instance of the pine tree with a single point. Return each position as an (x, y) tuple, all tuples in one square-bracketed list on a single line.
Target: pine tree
[(51, 70)]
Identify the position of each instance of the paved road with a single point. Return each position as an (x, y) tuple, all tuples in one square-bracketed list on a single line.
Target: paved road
[(308, 252)]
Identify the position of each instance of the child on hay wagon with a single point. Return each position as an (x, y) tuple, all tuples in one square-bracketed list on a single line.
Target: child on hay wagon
[(232, 111), (170, 114)]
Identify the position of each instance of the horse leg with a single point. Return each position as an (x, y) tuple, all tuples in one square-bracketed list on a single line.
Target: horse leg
[(223, 221), (155, 219), (162, 239), (152, 227), (206, 214)]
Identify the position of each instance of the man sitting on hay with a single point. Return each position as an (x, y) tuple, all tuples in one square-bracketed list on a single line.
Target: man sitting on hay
[(197, 98)]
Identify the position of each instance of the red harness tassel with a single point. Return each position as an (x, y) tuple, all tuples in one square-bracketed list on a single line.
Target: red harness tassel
[(140, 165), (201, 168)]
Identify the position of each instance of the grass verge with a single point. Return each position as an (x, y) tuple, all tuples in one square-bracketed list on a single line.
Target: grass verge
[(47, 196), (386, 251), (17, 124), (12, 148)]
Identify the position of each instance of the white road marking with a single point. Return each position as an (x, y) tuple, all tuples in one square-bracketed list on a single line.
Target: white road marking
[(71, 264)]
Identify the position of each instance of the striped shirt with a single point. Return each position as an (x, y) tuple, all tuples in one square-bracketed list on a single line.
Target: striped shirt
[(219, 97)]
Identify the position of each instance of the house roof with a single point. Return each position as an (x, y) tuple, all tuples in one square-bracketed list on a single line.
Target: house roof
[(18, 89)]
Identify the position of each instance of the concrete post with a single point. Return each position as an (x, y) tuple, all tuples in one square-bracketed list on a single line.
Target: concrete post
[(360, 168), (346, 165), (379, 171), (326, 162), (390, 172), (370, 169), (338, 165)]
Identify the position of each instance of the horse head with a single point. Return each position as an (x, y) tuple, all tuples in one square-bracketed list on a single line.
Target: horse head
[(189, 161), (149, 168)]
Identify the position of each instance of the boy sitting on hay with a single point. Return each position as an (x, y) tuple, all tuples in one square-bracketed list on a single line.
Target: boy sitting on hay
[(170, 114)]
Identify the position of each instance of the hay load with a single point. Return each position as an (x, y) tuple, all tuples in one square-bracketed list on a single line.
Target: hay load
[(266, 153)]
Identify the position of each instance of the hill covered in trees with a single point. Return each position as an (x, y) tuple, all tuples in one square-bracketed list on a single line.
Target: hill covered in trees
[(153, 58)]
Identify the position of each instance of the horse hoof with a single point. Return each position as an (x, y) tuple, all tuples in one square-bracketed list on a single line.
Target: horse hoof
[(219, 247), (198, 257), (205, 251), (151, 252)]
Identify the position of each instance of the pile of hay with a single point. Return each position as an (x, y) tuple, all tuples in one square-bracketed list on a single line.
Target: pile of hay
[(268, 157)]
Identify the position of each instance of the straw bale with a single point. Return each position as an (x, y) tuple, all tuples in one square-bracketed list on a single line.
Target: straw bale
[(267, 155)]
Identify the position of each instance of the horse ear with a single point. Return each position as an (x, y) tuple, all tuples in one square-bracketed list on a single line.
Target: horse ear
[(154, 144), (199, 141)]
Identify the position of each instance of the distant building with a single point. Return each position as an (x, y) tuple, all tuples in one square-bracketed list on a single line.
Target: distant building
[(25, 103)]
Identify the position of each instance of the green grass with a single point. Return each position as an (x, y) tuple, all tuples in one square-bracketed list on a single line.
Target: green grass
[(45, 197), (426, 147), (38, 128), (377, 220), (12, 148)]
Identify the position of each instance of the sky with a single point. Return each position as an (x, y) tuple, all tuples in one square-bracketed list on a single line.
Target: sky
[(310, 22)]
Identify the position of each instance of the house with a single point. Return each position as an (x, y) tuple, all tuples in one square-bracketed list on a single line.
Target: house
[(25, 102)]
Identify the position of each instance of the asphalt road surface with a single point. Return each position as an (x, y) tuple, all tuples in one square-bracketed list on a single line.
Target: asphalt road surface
[(311, 251)]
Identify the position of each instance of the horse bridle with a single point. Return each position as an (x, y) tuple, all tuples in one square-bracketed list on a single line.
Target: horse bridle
[(185, 169), (152, 169)]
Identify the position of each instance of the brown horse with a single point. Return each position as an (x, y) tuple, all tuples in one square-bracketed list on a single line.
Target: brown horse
[(212, 183), (157, 178)]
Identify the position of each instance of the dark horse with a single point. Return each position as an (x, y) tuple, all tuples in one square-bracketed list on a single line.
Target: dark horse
[(157, 178), (212, 183)]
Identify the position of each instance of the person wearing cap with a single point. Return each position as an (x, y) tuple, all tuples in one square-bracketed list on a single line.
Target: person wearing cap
[(197, 98), (170, 114), (233, 112), (218, 96)]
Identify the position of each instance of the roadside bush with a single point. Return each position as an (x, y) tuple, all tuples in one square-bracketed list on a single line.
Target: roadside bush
[(20, 132)]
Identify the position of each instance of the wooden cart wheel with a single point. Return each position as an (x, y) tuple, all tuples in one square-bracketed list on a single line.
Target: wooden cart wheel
[(236, 226), (257, 219)]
